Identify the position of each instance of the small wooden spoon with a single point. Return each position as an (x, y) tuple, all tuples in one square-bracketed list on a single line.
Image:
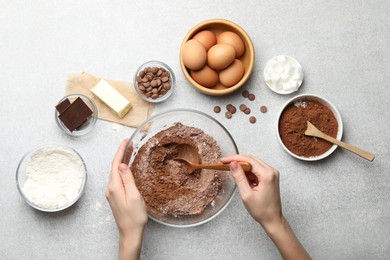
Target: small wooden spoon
[(191, 167), (313, 131)]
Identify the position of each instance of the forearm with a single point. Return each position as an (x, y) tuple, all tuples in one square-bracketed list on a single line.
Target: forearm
[(285, 240), (130, 247)]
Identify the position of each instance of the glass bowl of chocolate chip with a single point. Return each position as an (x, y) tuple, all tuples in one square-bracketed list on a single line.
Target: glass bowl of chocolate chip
[(76, 114), (292, 124), (173, 195), (154, 81)]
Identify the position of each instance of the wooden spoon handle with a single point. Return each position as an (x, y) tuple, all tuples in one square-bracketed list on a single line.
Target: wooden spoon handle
[(225, 167), (366, 155)]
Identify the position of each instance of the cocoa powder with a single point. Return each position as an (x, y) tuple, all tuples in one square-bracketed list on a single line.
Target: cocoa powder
[(164, 183), (293, 124)]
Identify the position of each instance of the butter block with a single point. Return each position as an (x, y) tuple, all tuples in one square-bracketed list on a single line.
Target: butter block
[(112, 98)]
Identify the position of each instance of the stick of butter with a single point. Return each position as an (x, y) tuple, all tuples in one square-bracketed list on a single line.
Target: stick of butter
[(112, 98)]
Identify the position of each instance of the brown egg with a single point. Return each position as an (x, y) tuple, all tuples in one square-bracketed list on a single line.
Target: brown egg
[(234, 40), (232, 74), (207, 38), (194, 55), (207, 77), (220, 56)]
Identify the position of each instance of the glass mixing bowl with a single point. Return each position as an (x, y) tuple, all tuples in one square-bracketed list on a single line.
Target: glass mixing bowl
[(211, 127)]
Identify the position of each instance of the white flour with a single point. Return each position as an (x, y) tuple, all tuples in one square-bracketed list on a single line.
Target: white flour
[(54, 177)]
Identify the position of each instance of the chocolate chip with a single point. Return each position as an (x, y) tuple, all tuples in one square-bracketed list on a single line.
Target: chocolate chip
[(263, 109), (217, 109), (247, 111), (252, 119), (153, 82), (232, 109), (242, 107), (228, 114), (245, 93), (251, 97)]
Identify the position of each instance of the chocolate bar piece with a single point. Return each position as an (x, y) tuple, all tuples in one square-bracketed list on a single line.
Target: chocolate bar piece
[(75, 115), (61, 107)]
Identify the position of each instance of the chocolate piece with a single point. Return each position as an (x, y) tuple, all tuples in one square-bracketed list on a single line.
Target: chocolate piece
[(247, 111), (153, 82), (263, 109), (217, 109), (242, 107), (75, 115), (61, 107), (228, 114), (245, 93), (232, 109), (252, 119), (251, 97)]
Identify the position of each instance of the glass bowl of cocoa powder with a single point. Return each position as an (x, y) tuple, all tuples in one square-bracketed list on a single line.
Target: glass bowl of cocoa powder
[(173, 196), (292, 124)]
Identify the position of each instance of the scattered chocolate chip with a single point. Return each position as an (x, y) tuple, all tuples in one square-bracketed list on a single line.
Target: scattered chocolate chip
[(251, 97), (217, 109), (242, 107), (252, 119), (247, 111), (245, 93), (263, 109), (228, 114), (232, 109)]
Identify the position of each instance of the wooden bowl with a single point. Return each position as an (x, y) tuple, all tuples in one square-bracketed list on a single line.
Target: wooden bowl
[(248, 58)]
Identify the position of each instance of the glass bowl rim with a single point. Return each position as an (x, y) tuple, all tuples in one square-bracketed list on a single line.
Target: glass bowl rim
[(218, 123)]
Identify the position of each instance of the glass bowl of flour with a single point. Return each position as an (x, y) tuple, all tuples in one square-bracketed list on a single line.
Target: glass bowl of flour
[(51, 177)]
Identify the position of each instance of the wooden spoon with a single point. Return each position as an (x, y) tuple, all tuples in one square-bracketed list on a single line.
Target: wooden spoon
[(313, 131), (191, 167)]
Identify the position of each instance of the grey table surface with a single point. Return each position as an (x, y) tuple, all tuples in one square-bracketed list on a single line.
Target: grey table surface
[(338, 207)]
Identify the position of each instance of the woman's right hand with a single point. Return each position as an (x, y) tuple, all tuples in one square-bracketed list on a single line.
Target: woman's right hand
[(259, 190)]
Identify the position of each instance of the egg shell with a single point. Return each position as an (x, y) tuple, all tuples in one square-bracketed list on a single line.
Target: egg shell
[(234, 40), (207, 77), (207, 38), (220, 56), (194, 55), (232, 74)]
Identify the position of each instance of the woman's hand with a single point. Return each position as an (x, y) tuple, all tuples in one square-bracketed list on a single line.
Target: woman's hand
[(127, 205), (259, 189)]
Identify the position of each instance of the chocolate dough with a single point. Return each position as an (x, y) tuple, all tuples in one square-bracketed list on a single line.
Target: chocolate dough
[(163, 182)]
